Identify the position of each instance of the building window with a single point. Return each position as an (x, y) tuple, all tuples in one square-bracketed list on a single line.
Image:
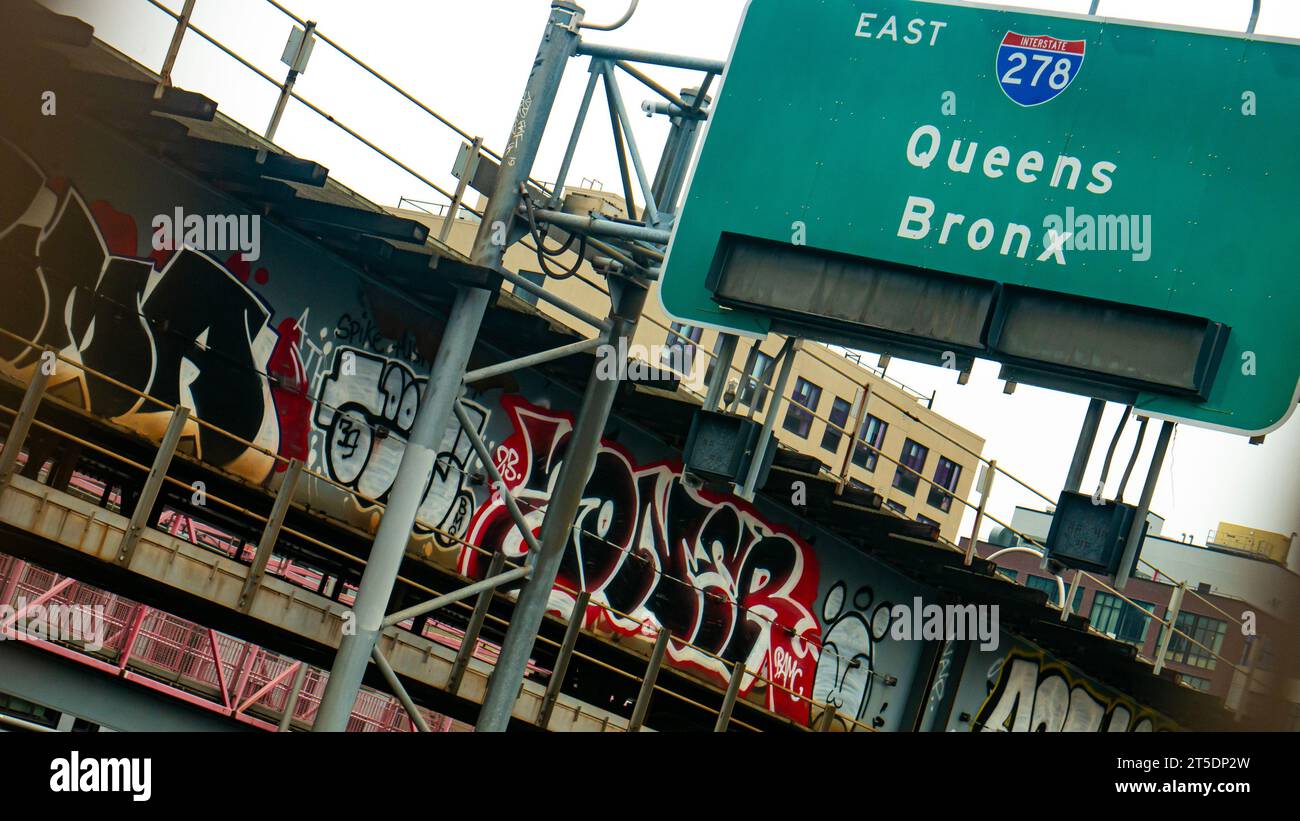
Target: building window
[(1114, 616), (1010, 574), (910, 465), (1203, 629), (896, 507), (871, 438), (839, 417), (677, 350), (926, 520), (534, 277), (945, 479), (1049, 586), (758, 371), (799, 416), (1195, 682)]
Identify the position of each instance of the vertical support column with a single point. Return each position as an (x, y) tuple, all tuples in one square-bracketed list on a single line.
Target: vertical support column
[(1083, 450), (1133, 544), (985, 490), (503, 688), (559, 42), (790, 350), (270, 534), (571, 634), (1171, 615), (729, 700), (721, 370), (648, 682), (470, 642), (23, 422), (161, 462)]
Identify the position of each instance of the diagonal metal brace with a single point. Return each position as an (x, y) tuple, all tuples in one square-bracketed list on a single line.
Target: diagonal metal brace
[(501, 368), (390, 676), (512, 505), (458, 595)]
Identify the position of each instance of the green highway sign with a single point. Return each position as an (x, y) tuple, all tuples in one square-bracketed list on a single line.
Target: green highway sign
[(1103, 206)]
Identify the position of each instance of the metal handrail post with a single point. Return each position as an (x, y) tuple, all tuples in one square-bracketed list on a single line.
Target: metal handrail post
[(22, 424), (157, 474), (648, 681)]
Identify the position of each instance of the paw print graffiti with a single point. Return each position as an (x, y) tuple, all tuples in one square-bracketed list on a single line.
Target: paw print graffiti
[(844, 668)]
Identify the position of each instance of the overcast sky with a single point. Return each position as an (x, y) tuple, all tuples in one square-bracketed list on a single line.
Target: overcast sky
[(469, 61)]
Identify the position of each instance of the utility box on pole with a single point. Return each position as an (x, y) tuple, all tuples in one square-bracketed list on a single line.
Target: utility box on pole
[(1089, 536), (720, 448)]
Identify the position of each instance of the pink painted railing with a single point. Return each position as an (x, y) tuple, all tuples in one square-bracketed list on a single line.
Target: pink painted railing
[(190, 662)]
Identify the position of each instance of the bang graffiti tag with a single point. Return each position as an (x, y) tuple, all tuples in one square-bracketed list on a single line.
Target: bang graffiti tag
[(1033, 69), (706, 566)]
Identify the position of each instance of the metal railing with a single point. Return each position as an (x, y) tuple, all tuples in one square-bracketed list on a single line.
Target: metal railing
[(184, 659)]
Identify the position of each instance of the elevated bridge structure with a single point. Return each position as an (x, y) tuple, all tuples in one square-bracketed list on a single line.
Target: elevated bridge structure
[(205, 446)]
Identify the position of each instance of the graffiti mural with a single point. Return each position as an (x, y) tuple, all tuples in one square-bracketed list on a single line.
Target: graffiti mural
[(1029, 693), (845, 669), (365, 407), (180, 326), (705, 566), (185, 328)]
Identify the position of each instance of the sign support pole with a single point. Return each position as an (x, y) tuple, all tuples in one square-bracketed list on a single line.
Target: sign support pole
[(559, 43), (627, 297), (1134, 543)]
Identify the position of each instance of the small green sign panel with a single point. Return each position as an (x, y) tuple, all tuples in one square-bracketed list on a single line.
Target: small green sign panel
[(1044, 166)]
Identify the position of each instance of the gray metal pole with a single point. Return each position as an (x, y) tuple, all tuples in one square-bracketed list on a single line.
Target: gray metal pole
[(556, 683), (445, 377), (721, 370), (469, 643), (1134, 542), (648, 681), (153, 484), (22, 424), (503, 688), (790, 351), (1083, 450), (729, 700), (270, 534), (294, 692), (1171, 616), (286, 90)]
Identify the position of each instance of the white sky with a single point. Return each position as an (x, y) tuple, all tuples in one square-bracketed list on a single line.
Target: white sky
[(469, 60)]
